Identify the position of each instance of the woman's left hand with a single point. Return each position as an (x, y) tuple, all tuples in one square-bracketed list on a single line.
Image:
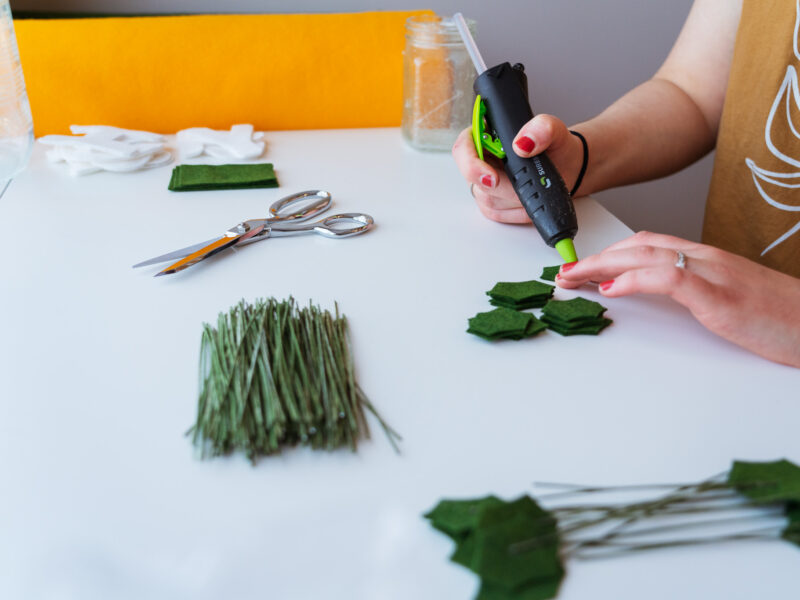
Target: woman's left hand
[(744, 302)]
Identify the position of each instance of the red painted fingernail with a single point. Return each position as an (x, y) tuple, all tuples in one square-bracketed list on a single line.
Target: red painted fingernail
[(567, 266), (606, 285), (525, 144), (487, 181)]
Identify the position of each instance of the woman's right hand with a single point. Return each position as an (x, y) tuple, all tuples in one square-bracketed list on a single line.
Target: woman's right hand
[(491, 188)]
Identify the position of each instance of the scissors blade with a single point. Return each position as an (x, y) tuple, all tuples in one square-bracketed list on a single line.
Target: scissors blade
[(249, 230), (175, 254), (217, 245)]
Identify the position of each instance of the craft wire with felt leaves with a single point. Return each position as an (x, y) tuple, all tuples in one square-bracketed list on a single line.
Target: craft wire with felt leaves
[(519, 548)]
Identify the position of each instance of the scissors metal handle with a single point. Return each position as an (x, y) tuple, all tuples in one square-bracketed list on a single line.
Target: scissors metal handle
[(336, 226), (300, 207)]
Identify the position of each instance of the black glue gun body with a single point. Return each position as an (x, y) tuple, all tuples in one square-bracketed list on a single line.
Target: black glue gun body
[(540, 187)]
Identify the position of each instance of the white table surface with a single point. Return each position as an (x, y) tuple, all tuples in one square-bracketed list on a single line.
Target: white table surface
[(102, 496)]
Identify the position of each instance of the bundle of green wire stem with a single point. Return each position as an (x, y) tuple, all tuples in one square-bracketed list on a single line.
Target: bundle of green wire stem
[(274, 375)]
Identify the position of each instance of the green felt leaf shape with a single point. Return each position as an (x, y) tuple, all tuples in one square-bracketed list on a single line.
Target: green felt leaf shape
[(536, 590), (549, 273), (766, 482), (535, 326), (574, 309), (486, 532), (590, 328), (520, 291), (772, 482), (465, 551), (504, 323), (500, 529), (792, 531), (587, 322), (498, 321), (456, 517)]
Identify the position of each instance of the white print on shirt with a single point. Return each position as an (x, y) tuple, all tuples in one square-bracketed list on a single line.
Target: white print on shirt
[(788, 95)]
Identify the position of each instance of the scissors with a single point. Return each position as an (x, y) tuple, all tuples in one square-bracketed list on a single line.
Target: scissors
[(287, 217)]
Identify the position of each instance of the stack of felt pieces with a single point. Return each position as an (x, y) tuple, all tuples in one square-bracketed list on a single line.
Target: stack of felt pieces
[(491, 536), (567, 317), (520, 295), (577, 316), (95, 148), (193, 178), (505, 324)]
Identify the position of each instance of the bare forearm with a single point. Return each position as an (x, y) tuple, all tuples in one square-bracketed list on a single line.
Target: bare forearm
[(671, 120), (654, 130)]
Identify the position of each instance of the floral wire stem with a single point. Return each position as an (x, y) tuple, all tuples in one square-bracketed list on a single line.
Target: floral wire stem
[(272, 375), (709, 496), (609, 549), (633, 513), (581, 489)]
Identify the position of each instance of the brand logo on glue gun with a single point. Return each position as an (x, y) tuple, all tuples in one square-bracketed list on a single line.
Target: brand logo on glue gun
[(543, 178)]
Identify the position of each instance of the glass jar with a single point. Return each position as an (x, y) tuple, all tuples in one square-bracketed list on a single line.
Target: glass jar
[(16, 124), (437, 82)]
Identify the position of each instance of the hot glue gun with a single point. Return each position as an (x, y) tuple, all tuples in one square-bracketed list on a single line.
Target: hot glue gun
[(501, 109)]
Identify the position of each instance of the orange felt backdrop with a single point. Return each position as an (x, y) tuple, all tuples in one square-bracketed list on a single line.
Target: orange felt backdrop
[(164, 74)]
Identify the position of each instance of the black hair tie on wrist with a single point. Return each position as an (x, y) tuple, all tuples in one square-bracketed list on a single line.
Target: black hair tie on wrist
[(582, 172)]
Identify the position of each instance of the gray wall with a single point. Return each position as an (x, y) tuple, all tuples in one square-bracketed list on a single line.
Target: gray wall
[(580, 56)]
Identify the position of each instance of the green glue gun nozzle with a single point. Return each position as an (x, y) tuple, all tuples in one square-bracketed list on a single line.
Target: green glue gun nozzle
[(566, 248)]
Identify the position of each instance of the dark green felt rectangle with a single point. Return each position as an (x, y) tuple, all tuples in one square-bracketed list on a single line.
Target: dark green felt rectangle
[(193, 178)]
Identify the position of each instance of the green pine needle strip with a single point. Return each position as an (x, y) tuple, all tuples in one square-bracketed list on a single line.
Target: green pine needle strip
[(274, 375)]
